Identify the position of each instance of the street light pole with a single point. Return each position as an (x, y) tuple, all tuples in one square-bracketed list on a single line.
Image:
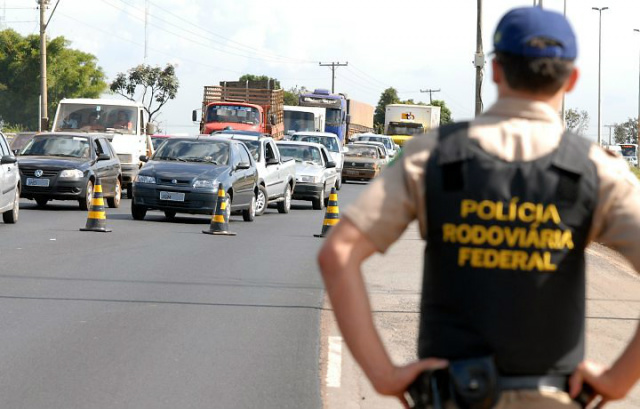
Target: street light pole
[(600, 10), (479, 61), (44, 119)]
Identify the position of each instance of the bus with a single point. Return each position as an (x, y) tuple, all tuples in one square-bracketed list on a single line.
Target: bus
[(629, 151)]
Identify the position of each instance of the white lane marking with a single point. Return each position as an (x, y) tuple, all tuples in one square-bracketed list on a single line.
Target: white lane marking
[(334, 366)]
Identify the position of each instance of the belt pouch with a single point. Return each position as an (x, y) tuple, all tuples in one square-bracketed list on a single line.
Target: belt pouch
[(474, 383)]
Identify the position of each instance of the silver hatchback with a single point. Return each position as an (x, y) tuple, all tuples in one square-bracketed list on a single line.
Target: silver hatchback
[(9, 183)]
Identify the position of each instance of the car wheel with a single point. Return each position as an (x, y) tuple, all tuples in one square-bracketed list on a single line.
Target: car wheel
[(114, 202), (248, 215), (138, 212), (86, 201), (42, 202), (318, 203), (262, 201), (170, 214), (11, 216), (130, 191), (285, 205), (339, 182)]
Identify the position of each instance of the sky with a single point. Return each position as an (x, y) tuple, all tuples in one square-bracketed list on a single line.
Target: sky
[(411, 45)]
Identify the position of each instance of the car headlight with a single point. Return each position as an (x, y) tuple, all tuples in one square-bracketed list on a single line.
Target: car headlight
[(71, 174), (309, 179), (204, 184), (145, 179)]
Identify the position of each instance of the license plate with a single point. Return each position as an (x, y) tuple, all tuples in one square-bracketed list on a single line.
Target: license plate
[(350, 172), (37, 182), (173, 196)]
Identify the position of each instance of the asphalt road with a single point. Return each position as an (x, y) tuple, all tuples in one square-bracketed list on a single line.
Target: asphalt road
[(158, 315)]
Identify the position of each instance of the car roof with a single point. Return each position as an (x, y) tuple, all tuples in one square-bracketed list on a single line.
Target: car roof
[(108, 102), (369, 135), (314, 133), (238, 132), (204, 137), (74, 134), (300, 143), (371, 143)]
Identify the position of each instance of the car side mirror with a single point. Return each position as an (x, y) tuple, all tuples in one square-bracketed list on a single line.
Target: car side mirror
[(331, 164), (144, 158), (243, 166), (151, 128), (7, 160), (272, 161), (103, 156)]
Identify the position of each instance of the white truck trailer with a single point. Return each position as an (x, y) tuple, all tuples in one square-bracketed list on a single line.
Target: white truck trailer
[(403, 121)]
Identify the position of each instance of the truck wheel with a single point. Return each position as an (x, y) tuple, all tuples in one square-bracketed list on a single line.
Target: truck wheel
[(85, 202), (318, 203), (114, 202), (262, 200), (138, 212), (285, 205), (130, 191), (248, 215)]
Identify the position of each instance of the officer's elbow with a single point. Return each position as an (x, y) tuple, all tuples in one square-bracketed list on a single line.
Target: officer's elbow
[(328, 258)]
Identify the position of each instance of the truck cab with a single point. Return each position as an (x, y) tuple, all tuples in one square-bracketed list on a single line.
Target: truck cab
[(123, 122), (336, 110)]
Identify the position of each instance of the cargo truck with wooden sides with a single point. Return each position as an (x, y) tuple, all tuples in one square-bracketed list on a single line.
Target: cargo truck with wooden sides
[(242, 106)]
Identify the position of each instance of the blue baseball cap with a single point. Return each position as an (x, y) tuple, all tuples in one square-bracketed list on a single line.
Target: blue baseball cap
[(520, 26)]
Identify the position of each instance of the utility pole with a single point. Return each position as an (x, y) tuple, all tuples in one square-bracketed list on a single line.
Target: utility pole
[(610, 127), (638, 150), (564, 120), (479, 61), (599, 10), (44, 120), (430, 91), (333, 66)]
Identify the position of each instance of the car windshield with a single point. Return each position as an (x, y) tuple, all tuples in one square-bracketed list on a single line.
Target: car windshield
[(329, 142), (215, 152), (157, 141), (96, 118), (65, 146), (254, 148), (301, 153), (333, 117), (385, 141), (362, 152), (233, 113)]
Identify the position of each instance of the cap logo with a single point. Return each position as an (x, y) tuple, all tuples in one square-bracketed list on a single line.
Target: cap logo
[(497, 37)]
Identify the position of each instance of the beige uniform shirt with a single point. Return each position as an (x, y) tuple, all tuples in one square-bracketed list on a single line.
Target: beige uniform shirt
[(514, 130)]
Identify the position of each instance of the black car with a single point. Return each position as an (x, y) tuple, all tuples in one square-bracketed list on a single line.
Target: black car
[(65, 166), (184, 174)]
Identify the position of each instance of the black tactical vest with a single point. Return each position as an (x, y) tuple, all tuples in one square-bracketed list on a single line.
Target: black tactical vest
[(504, 270)]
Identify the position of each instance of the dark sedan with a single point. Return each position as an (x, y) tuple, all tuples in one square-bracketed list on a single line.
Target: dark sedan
[(184, 174), (64, 166)]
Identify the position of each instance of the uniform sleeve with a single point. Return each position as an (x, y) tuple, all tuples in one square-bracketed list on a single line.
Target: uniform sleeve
[(395, 198), (616, 222)]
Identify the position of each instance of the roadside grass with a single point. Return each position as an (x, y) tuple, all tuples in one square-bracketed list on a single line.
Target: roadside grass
[(635, 171)]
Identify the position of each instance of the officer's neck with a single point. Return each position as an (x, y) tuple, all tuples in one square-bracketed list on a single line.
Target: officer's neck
[(554, 100)]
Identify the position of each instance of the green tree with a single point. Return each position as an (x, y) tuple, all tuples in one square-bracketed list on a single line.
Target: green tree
[(275, 84), (152, 86), (576, 121), (388, 96), (445, 112), (70, 74), (292, 95), (627, 132)]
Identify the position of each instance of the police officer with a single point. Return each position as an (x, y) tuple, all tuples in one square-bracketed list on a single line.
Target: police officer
[(507, 204)]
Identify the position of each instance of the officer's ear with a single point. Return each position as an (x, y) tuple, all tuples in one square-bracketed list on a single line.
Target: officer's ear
[(497, 75), (572, 80)]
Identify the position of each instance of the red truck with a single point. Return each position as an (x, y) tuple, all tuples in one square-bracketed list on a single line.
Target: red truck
[(242, 106)]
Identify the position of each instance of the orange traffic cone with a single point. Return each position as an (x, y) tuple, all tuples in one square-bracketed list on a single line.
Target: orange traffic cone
[(332, 215), (219, 221), (97, 218)]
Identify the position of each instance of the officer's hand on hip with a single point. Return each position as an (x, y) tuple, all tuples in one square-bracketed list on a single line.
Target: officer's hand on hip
[(601, 379), (396, 382)]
